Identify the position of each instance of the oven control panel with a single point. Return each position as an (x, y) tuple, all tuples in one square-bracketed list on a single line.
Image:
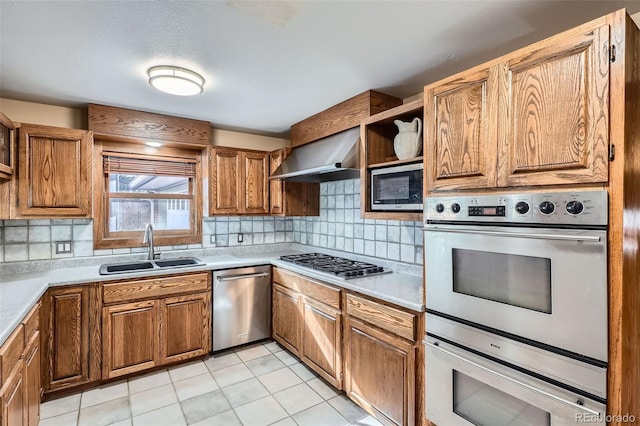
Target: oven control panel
[(562, 208)]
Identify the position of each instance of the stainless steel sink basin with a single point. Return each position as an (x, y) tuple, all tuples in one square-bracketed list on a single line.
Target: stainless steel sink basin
[(172, 263), (123, 268)]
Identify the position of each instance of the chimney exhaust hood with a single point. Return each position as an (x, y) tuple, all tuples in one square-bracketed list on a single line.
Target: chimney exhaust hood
[(335, 157)]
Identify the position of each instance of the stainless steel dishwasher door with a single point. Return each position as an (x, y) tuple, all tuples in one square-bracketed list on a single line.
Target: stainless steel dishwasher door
[(241, 306)]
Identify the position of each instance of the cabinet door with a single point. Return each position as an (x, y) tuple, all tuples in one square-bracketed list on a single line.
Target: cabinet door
[(460, 131), (67, 329), (32, 380), (130, 338), (322, 341), (286, 318), (275, 186), (225, 175), (12, 398), (54, 172), (185, 327), (380, 372), (557, 130), (256, 189)]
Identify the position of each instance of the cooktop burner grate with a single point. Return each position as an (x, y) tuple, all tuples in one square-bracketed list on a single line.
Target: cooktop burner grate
[(338, 266)]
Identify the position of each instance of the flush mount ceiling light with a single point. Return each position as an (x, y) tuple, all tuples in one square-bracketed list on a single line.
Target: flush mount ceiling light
[(176, 80)]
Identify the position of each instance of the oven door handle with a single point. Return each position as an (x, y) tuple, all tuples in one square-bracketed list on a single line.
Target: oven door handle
[(561, 237), (517, 382)]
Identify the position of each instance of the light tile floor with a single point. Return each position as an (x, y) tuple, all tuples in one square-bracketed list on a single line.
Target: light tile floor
[(256, 385)]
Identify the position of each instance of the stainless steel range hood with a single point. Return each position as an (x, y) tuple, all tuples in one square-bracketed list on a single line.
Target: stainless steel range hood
[(332, 158)]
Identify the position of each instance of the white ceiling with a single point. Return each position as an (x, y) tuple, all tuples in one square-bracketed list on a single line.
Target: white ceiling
[(266, 67)]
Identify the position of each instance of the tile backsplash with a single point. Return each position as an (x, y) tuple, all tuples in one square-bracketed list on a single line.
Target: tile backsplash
[(339, 227)]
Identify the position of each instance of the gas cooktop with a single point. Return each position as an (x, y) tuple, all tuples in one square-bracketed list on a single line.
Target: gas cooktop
[(339, 266)]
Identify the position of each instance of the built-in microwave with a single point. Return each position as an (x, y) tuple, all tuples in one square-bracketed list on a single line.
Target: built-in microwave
[(397, 188)]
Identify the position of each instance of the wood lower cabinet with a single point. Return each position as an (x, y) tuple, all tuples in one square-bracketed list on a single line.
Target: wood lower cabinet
[(307, 320), (185, 327), (381, 353), (286, 321), (538, 116), (130, 341), (20, 389), (32, 376), (70, 337), (238, 181), (54, 172), (13, 398), (322, 340), (150, 322)]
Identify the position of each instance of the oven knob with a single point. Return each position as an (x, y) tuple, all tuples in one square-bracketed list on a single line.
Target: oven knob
[(575, 207), (547, 207), (439, 207), (455, 207), (522, 207)]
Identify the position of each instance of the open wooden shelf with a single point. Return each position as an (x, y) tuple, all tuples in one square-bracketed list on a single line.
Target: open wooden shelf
[(376, 138), (395, 163)]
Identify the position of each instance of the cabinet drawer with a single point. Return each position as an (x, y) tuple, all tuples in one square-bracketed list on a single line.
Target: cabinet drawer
[(390, 319), (10, 352), (31, 323), (124, 291), (313, 289)]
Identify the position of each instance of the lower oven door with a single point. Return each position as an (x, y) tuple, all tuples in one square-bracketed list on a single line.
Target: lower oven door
[(466, 389), (546, 285)]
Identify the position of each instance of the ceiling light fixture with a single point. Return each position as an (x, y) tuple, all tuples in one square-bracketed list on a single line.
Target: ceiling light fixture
[(153, 144), (176, 80)]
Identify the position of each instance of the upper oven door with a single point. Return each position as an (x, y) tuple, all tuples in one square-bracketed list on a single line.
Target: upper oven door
[(397, 188), (547, 285)]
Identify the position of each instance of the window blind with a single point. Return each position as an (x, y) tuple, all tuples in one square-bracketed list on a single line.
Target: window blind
[(127, 165)]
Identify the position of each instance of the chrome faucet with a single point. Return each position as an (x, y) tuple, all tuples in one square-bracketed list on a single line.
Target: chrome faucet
[(148, 239)]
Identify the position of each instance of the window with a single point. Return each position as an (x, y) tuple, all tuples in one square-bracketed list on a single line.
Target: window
[(137, 189)]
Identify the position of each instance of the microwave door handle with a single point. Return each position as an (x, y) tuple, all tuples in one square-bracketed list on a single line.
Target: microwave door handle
[(561, 237), (517, 382)]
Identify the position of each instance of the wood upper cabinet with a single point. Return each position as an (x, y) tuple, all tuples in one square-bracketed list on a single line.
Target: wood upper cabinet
[(256, 189), (185, 327), (129, 338), (460, 131), (238, 181), (539, 116), (70, 337), (54, 172), (7, 145), (276, 186), (557, 118), (291, 198)]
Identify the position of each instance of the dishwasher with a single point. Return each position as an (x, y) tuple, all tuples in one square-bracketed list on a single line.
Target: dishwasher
[(241, 306)]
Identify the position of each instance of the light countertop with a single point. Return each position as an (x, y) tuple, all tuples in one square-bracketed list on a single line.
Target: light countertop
[(20, 292)]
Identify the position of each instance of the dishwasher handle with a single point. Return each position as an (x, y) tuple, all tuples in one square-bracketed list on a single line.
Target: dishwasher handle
[(242, 276)]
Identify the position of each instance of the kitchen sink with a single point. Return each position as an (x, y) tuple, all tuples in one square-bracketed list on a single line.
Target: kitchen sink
[(123, 268), (172, 263)]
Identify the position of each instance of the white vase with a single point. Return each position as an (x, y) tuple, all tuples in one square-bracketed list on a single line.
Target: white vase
[(408, 143)]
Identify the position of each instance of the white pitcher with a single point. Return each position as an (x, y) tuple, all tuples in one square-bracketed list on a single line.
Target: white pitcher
[(408, 143)]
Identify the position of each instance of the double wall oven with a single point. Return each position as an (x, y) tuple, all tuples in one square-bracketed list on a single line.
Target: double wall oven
[(516, 308)]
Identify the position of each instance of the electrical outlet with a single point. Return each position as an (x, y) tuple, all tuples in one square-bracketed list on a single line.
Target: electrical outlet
[(212, 239), (63, 247), (240, 238)]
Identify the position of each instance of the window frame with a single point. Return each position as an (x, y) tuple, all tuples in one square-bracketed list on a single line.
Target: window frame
[(103, 238)]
